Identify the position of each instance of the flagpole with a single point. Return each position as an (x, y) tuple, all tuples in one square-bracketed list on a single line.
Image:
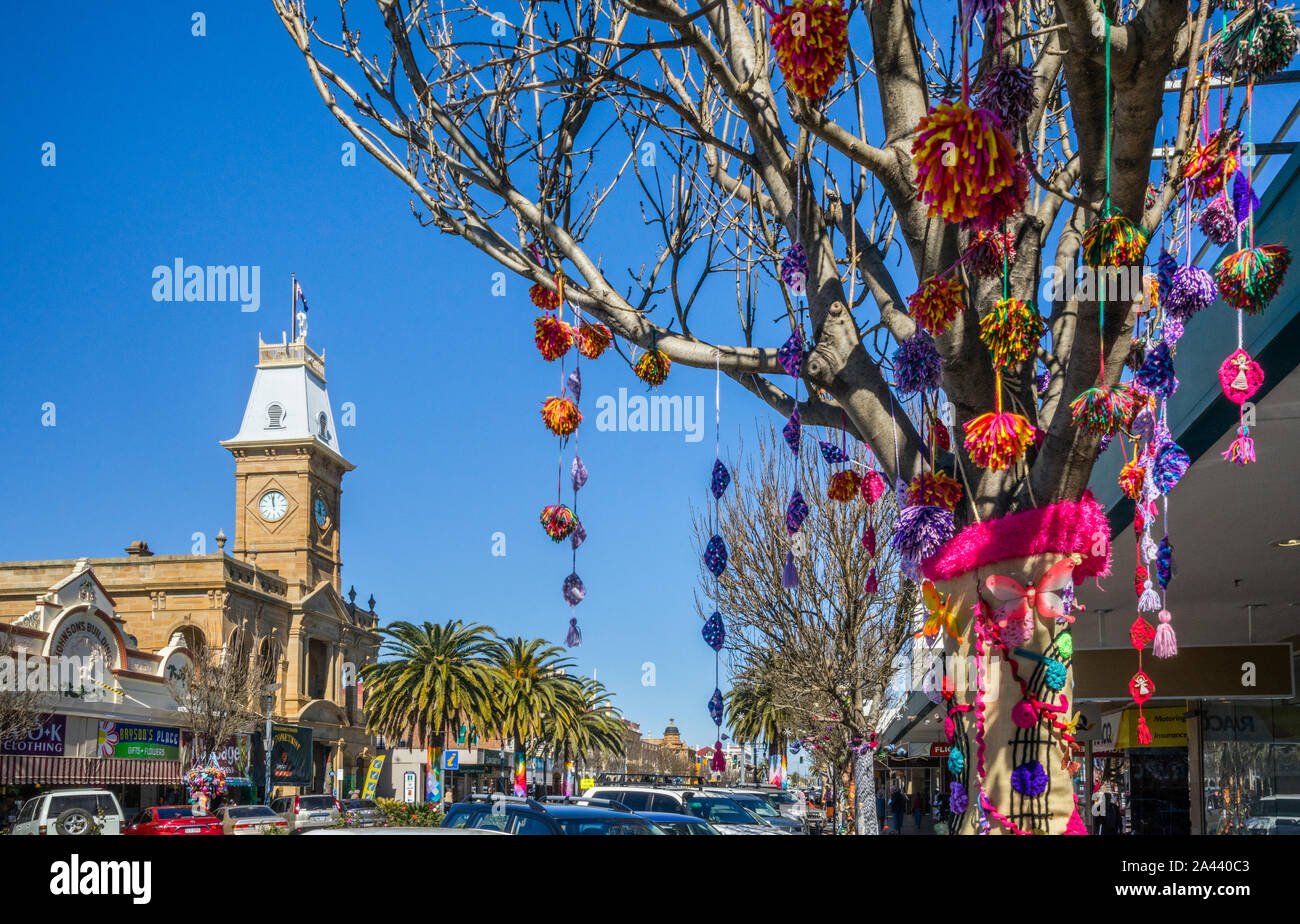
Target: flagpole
[(293, 306)]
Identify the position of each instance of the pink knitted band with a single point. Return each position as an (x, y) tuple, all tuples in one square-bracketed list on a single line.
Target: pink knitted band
[(1063, 527)]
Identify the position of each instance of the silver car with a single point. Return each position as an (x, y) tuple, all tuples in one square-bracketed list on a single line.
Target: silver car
[(250, 819), (363, 813), (308, 811)]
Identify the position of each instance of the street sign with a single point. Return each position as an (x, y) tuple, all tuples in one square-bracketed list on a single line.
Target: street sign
[(408, 786), (451, 760)]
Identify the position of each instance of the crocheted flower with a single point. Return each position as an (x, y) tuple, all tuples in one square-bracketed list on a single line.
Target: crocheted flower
[(1029, 779), (936, 303)]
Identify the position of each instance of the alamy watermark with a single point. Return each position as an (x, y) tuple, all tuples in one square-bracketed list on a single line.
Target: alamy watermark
[(652, 414), (194, 283), (73, 675)]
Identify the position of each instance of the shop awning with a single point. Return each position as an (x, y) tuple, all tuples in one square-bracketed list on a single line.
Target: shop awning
[(96, 771)]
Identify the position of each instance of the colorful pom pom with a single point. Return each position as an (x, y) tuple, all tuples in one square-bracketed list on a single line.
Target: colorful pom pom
[(1212, 163), (811, 40), (1011, 330), (921, 530), (652, 368), (934, 489), (1007, 91), (552, 336), (989, 252), (543, 297), (967, 169), (1131, 477), (1260, 42), (561, 416), (844, 485), (917, 366), (1114, 240), (1250, 278), (558, 520), (936, 303), (997, 441), (1218, 221), (1191, 290), (1104, 409), (593, 339)]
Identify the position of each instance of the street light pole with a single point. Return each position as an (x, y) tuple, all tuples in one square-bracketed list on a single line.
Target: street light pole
[(266, 741)]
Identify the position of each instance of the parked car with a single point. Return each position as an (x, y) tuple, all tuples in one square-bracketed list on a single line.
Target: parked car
[(674, 823), (1275, 815), (307, 811), (399, 830), (593, 819), (174, 819), (757, 803), (250, 819), (512, 815), (70, 812), (720, 811), (363, 813)]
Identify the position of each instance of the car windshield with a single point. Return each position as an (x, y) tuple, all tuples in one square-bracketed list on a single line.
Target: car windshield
[(315, 803), (758, 805), (177, 812), (250, 811), (608, 826), (720, 811), (684, 827)]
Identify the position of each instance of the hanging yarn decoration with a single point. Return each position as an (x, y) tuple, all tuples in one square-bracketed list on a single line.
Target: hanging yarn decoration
[(934, 489), (1218, 220), (716, 706), (593, 339), (920, 530), (967, 169), (873, 583), (1260, 42), (578, 536), (790, 355), (573, 638), (561, 416), (833, 454), (1139, 579), (958, 800), (844, 485), (997, 440), (1114, 240), (715, 634), (1172, 462), (937, 434), (1211, 164), (869, 540), (652, 368), (1165, 563), (1240, 377), (989, 252), (794, 270), (715, 556), (574, 384), (543, 297), (718, 762), (720, 479), (1191, 290), (1166, 264), (578, 472), (956, 761), (1157, 372), (795, 512), (917, 366), (552, 336), (1104, 409), (1029, 779), (1148, 600), (793, 431), (1131, 477), (1244, 201), (873, 485), (573, 590), (558, 520), (810, 39), (1242, 450), (1011, 330), (937, 303), (1248, 279), (1007, 91), (789, 574), (1166, 643)]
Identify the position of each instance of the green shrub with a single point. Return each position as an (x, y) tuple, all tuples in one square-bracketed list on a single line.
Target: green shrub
[(410, 814)]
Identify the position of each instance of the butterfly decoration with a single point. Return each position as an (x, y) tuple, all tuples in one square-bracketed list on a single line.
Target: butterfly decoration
[(943, 613), (1019, 603)]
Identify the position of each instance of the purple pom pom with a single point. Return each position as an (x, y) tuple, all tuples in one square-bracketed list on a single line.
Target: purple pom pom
[(1043, 382), (1029, 779), (917, 366), (1191, 290), (1217, 221), (721, 478), (795, 512), (1008, 92), (921, 530), (958, 801)]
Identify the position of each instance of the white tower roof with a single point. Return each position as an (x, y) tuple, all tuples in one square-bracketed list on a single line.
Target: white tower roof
[(289, 401)]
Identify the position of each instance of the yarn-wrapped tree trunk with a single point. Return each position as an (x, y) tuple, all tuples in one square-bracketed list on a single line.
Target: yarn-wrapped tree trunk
[(816, 137)]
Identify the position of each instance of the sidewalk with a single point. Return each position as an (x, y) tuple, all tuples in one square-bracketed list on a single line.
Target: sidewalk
[(909, 826)]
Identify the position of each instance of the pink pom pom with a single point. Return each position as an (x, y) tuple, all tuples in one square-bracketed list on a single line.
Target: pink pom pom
[(1166, 643)]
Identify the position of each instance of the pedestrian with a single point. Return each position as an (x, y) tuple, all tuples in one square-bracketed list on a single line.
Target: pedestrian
[(881, 807), (917, 807), (897, 805)]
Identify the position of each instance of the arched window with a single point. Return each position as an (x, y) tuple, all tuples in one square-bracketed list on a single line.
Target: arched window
[(274, 417), (323, 426)]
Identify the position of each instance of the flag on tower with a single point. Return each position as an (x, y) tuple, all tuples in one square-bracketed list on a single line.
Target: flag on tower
[(298, 293)]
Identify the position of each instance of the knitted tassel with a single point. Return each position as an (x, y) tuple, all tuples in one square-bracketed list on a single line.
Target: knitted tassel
[(1165, 563), (936, 303), (652, 368), (1114, 240), (934, 489), (873, 583), (967, 169), (869, 541), (1144, 733), (1191, 290), (917, 366), (1218, 221), (844, 486), (552, 336), (810, 39), (1008, 92), (921, 530), (1250, 278), (989, 252), (574, 637), (1166, 643), (1149, 602), (789, 574), (1011, 330), (997, 441), (1103, 408), (1242, 450)]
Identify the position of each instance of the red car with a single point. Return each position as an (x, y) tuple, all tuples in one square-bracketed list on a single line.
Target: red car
[(173, 819)]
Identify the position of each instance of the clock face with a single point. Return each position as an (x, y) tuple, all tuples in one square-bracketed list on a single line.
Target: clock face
[(322, 513), (273, 505)]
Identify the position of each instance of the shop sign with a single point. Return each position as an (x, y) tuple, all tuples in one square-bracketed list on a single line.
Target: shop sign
[(84, 637), (290, 756), (940, 750), (1119, 730), (47, 740), (139, 742)]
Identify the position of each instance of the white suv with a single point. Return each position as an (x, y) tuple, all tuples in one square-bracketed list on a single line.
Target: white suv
[(71, 812), (717, 809)]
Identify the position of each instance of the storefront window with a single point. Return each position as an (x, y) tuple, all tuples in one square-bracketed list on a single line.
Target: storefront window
[(1251, 767)]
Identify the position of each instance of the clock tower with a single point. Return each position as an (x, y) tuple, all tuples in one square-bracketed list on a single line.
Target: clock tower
[(289, 470)]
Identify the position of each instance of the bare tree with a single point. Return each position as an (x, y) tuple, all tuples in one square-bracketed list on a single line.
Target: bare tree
[(20, 709), (223, 695), (821, 656)]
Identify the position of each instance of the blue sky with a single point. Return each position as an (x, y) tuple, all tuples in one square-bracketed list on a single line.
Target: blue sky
[(216, 150)]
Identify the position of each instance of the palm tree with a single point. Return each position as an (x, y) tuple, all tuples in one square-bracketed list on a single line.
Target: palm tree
[(588, 725), (755, 716), (533, 689), (435, 676)]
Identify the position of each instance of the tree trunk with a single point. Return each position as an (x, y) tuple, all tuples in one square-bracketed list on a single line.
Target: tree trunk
[(864, 789)]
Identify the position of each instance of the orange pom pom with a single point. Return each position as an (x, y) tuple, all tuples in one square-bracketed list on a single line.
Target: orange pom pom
[(966, 167), (1131, 477), (561, 416), (997, 441), (593, 339), (552, 336), (844, 485), (811, 41), (543, 297), (936, 303), (934, 489), (652, 368)]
